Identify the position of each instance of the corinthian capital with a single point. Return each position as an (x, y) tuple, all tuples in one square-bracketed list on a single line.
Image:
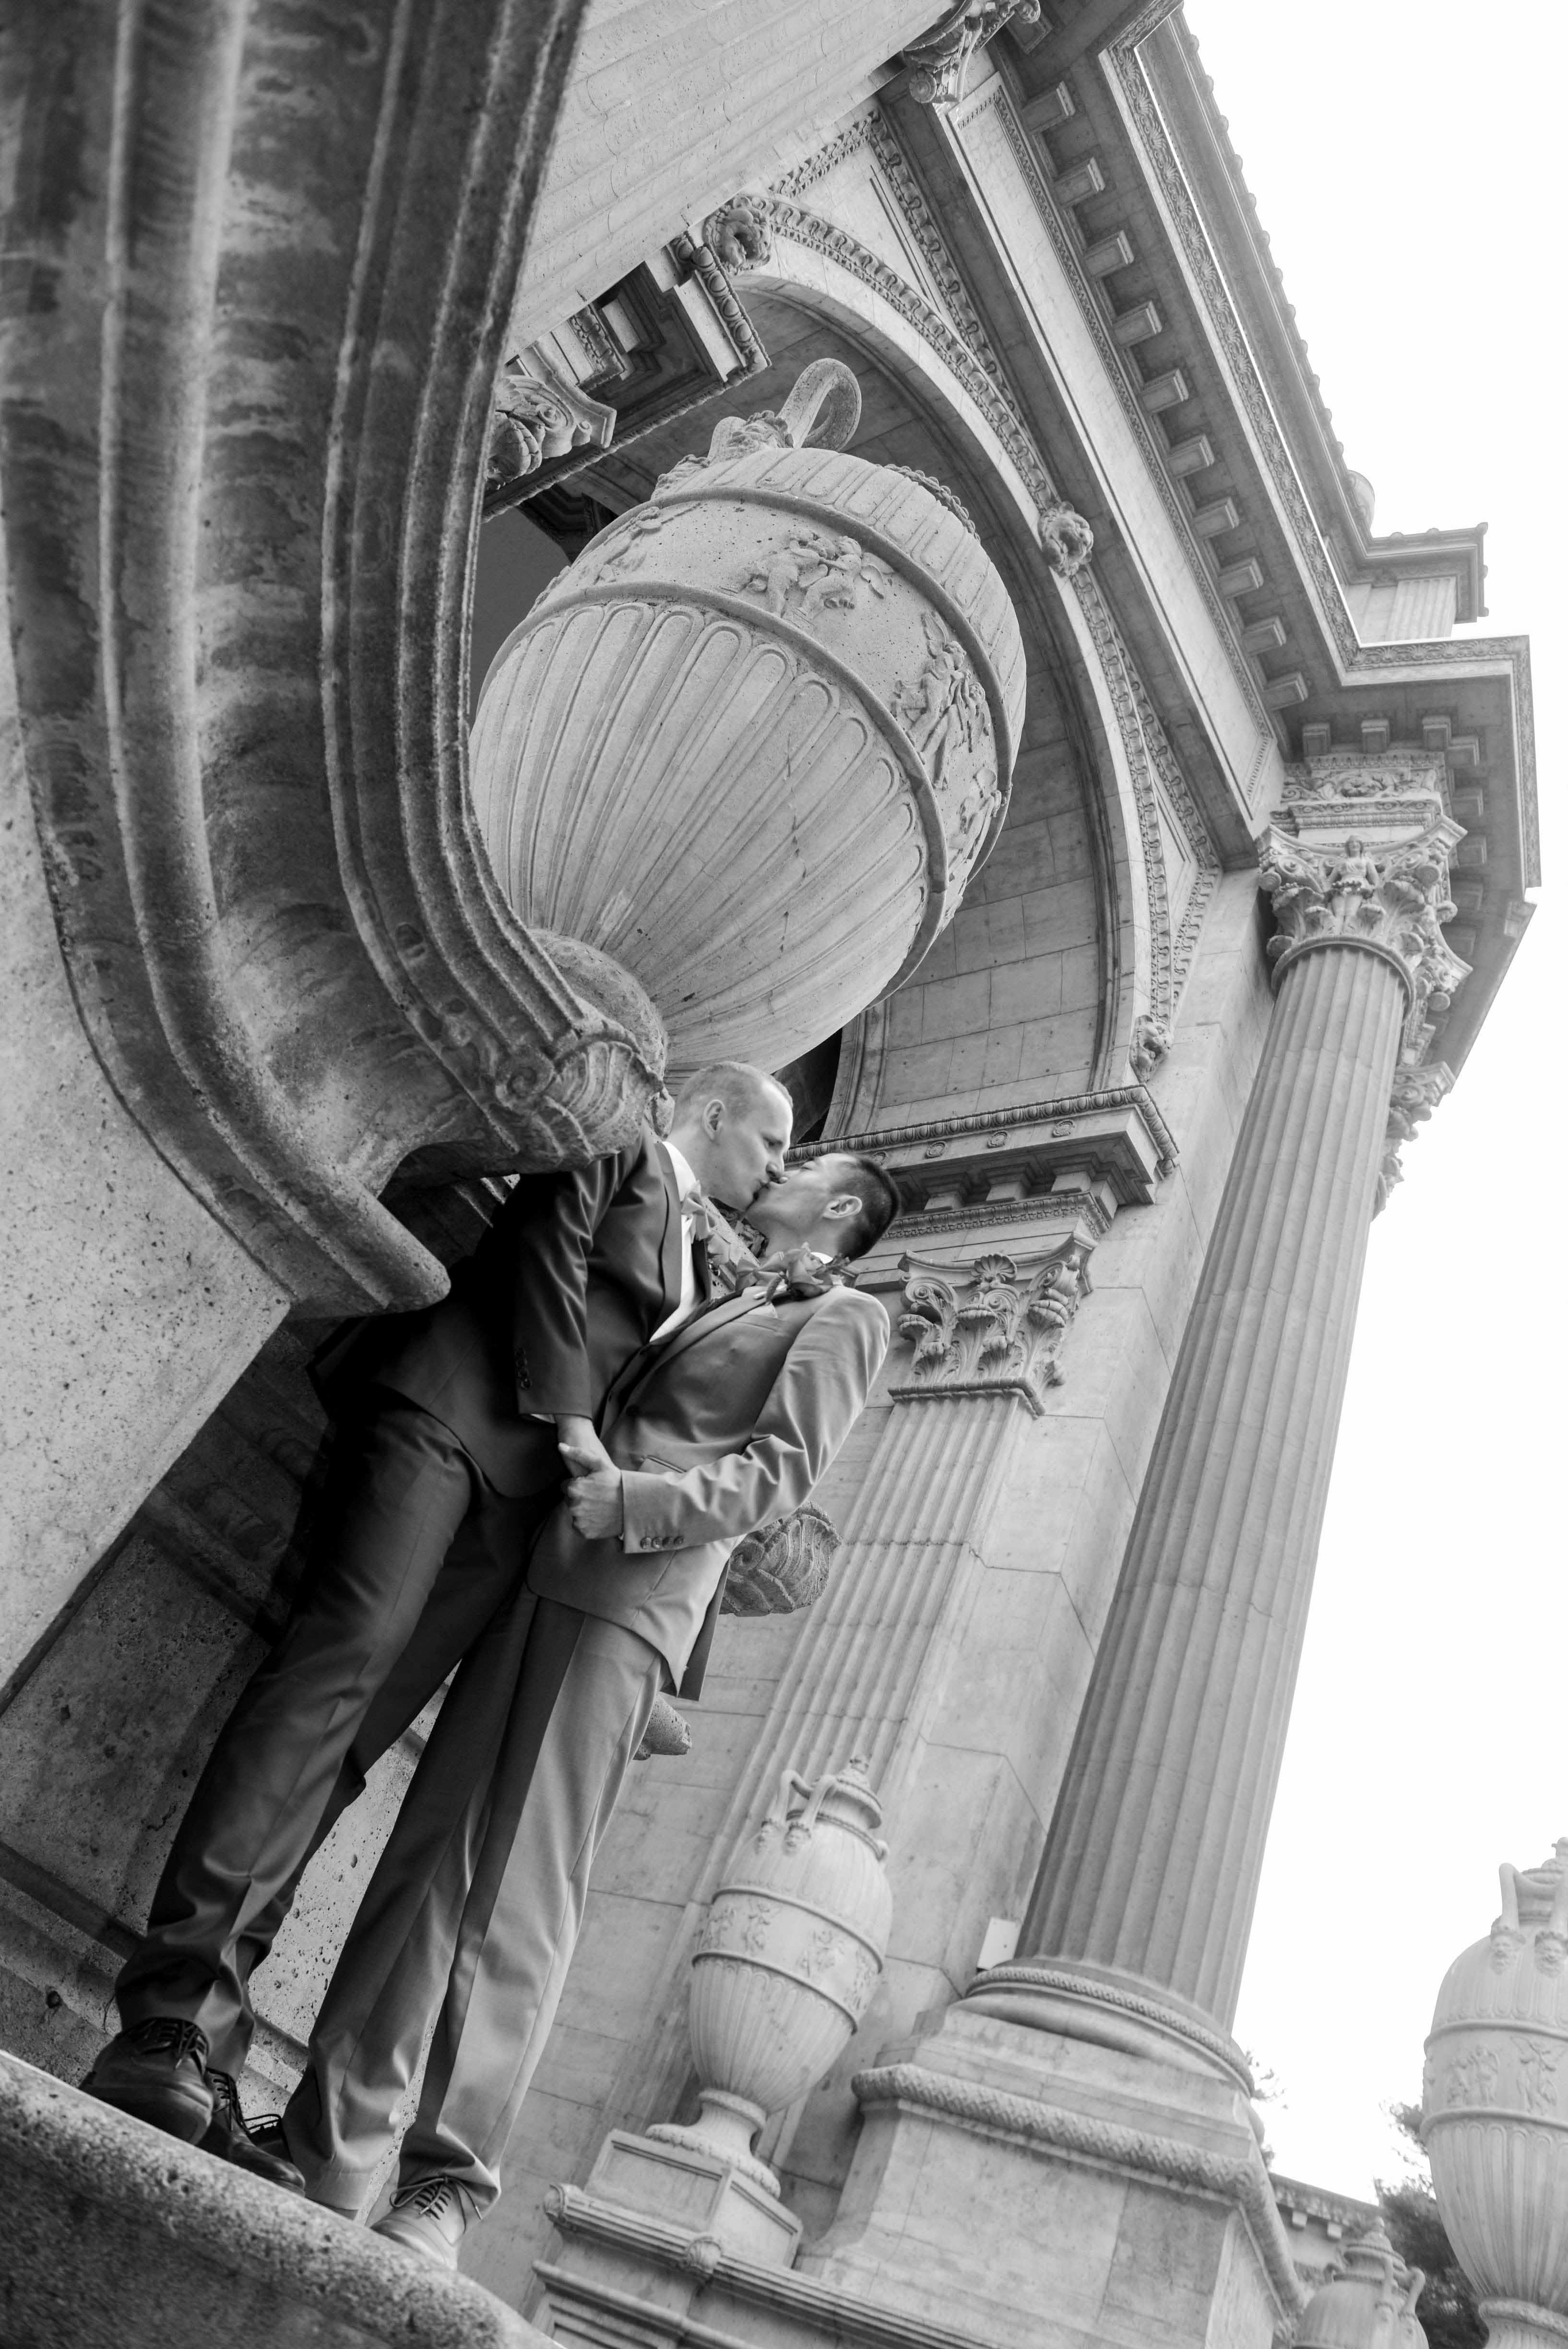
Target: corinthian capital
[(1392, 898), (994, 1328)]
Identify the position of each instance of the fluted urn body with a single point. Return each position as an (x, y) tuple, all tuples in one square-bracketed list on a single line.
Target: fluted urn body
[(789, 1957), (755, 742), (1495, 2109)]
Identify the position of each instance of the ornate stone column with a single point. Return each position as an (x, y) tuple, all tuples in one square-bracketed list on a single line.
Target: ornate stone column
[(1134, 1939), (1152, 1865)]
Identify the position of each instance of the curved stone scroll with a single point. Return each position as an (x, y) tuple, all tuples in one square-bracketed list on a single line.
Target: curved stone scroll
[(240, 497), (782, 1567)]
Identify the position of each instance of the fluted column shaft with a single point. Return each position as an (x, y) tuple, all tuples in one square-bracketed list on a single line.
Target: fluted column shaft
[(1152, 1863)]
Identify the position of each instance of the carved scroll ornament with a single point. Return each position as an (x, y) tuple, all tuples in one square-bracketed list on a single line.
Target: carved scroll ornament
[(941, 59), (995, 1330), (241, 722)]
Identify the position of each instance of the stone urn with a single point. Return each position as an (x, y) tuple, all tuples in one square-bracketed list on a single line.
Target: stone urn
[(1370, 2305), (1495, 2109), (755, 742), (787, 1960)]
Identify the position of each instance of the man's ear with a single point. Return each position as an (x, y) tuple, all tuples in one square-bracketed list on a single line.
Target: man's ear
[(842, 1207), (713, 1115)]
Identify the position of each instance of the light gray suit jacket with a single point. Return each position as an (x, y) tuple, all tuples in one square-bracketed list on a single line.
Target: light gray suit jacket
[(722, 1429)]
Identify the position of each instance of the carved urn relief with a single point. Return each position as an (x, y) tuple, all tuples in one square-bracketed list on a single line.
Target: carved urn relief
[(787, 1960), (756, 739), (1495, 2109)]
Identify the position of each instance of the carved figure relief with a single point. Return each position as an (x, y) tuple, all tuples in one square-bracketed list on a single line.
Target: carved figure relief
[(943, 708), (1065, 539), (814, 571), (1537, 2060)]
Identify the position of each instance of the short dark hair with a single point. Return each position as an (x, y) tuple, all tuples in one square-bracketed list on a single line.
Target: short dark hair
[(737, 1084), (879, 1201)]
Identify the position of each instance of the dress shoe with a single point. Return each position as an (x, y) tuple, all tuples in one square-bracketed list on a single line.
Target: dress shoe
[(157, 2072), (261, 2149), (429, 2218)]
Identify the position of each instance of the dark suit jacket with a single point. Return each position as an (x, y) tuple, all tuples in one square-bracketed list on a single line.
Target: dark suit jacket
[(577, 1268), (725, 1426)]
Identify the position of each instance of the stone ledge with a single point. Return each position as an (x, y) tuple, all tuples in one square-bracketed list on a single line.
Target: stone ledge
[(118, 2238)]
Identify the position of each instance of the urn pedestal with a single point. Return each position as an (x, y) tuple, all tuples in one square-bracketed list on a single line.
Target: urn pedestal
[(755, 742)]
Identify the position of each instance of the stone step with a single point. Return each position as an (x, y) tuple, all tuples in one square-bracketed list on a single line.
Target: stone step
[(116, 2237)]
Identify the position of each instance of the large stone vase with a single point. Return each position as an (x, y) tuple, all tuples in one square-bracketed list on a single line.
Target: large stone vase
[(755, 742), (1495, 2109), (787, 1960), (1370, 2304)]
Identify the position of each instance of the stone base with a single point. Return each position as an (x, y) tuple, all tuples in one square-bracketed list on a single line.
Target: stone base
[(118, 2238), (699, 2191), (1048, 2192)]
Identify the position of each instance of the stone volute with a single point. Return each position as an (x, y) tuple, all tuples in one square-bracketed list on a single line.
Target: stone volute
[(1370, 2304), (1495, 2109), (755, 742), (787, 1960)]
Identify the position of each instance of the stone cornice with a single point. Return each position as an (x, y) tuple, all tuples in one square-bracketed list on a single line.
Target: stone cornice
[(1113, 359), (1004, 1123)]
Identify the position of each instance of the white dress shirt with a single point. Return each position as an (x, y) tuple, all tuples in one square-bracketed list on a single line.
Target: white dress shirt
[(690, 1190)]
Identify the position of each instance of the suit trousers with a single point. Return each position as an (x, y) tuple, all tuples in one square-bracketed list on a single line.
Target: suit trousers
[(472, 1916), (411, 1556)]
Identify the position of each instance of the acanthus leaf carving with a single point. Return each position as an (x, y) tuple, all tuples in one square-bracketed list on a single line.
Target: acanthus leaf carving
[(1417, 1090), (997, 1328), (1391, 897)]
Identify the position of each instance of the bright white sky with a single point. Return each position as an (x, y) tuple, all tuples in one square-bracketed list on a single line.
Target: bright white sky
[(1407, 157)]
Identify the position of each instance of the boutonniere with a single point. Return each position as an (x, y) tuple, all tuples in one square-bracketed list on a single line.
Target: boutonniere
[(800, 1272)]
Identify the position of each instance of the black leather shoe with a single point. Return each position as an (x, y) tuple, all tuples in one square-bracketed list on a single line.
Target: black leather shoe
[(157, 2072), (261, 2149)]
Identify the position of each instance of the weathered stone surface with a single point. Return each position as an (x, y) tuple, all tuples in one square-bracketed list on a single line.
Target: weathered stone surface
[(1040, 2191), (116, 2237)]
